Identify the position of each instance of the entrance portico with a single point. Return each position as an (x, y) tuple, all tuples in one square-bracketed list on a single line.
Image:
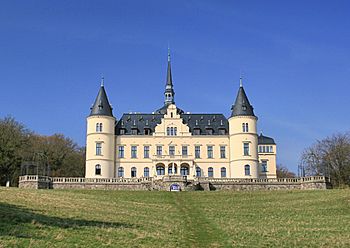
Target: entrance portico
[(166, 165)]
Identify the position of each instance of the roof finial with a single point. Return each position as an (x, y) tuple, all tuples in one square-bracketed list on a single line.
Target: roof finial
[(102, 81), (168, 52), (240, 79)]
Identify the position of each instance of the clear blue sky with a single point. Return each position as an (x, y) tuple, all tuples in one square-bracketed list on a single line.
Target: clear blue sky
[(294, 55)]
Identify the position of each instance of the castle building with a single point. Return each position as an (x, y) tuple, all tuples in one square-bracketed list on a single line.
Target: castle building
[(170, 141)]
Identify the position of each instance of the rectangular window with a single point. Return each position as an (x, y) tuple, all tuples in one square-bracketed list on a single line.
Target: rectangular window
[(210, 151), (98, 148), (260, 149), (122, 131), (184, 151), (121, 152), (245, 127), (133, 151), (146, 151), (271, 149), (159, 150), (134, 131), (246, 149), (264, 166), (209, 131), (197, 151), (264, 149), (222, 152), (147, 131), (171, 150)]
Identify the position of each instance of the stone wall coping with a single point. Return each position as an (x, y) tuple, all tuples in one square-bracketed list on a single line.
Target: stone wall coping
[(36, 178)]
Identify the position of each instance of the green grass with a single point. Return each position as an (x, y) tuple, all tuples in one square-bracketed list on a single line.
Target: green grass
[(78, 218)]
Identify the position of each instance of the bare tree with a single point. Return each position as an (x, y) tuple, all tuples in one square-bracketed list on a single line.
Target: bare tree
[(284, 172), (329, 157)]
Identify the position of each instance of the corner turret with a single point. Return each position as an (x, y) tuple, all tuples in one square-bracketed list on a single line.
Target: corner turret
[(100, 138), (243, 138)]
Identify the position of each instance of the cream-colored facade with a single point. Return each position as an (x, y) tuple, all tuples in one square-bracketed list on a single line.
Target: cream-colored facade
[(172, 142)]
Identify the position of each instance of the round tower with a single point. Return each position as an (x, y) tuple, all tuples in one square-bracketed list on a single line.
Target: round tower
[(244, 161), (100, 139)]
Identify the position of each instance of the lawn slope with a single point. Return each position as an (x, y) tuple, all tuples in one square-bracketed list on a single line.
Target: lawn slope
[(89, 218)]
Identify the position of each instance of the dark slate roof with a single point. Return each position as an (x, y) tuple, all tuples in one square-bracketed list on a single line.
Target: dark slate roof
[(101, 105), (242, 106), (264, 140), (140, 122), (204, 122), (201, 122)]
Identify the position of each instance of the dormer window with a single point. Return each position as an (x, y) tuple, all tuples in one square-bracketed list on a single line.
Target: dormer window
[(100, 106), (122, 131), (134, 131), (147, 131), (209, 131), (222, 131), (196, 131)]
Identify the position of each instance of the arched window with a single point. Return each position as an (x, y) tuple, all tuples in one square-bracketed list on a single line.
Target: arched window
[(210, 172), (98, 169), (170, 169), (198, 172), (146, 172), (160, 170), (184, 171), (133, 172), (120, 172), (247, 170), (223, 172)]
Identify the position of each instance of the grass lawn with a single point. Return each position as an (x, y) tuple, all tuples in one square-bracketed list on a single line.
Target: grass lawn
[(95, 218)]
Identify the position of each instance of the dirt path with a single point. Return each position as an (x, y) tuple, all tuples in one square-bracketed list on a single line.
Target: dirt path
[(199, 231)]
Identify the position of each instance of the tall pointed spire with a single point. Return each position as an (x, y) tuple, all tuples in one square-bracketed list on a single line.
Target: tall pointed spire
[(242, 107), (169, 78), (101, 105), (169, 89)]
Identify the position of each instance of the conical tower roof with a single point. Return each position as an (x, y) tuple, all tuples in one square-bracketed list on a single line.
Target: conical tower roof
[(242, 106), (101, 105)]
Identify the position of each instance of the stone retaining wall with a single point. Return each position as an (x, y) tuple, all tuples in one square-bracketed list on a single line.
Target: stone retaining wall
[(41, 182)]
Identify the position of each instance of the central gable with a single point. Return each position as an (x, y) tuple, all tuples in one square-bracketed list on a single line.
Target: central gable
[(172, 124)]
